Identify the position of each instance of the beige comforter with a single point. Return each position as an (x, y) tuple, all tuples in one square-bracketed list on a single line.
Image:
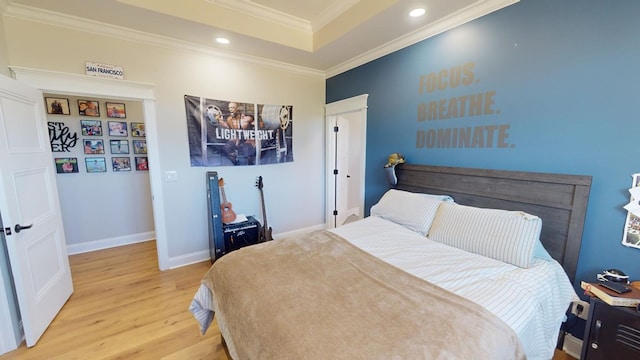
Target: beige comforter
[(319, 297)]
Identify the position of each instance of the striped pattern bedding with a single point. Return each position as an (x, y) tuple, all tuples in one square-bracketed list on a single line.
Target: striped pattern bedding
[(531, 301), (202, 308), (508, 236)]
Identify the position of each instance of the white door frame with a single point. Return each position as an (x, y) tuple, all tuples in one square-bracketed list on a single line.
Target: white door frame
[(351, 105), (74, 84)]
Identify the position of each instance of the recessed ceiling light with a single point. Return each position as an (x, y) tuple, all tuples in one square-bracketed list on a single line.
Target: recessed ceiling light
[(222, 40), (417, 12)]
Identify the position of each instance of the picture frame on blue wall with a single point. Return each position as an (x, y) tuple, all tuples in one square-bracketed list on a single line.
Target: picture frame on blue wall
[(631, 236)]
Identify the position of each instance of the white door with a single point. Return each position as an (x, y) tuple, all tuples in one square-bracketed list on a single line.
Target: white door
[(29, 198), (349, 180), (346, 147)]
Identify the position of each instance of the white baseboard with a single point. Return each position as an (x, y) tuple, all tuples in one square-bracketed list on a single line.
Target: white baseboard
[(195, 257), (299, 232), (188, 259), (174, 262), (110, 242)]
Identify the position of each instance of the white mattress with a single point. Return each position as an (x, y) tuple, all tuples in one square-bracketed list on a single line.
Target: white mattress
[(532, 301)]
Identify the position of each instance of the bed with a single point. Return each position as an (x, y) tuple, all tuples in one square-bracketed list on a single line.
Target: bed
[(481, 267)]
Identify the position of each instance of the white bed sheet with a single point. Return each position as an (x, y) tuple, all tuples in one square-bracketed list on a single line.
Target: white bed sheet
[(532, 301)]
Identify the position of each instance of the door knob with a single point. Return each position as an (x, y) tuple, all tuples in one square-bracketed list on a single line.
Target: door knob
[(19, 227)]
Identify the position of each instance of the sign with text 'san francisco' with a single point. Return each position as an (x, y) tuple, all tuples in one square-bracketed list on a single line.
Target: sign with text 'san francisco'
[(104, 70)]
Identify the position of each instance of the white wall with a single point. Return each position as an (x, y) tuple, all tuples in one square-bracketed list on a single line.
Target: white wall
[(294, 192), (109, 208), (4, 60)]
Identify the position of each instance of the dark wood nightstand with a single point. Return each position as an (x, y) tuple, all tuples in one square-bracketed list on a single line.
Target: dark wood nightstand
[(613, 332)]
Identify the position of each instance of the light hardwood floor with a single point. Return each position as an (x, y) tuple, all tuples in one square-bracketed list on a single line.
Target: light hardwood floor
[(123, 307)]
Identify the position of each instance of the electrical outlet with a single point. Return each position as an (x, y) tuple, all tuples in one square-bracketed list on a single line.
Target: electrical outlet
[(580, 309)]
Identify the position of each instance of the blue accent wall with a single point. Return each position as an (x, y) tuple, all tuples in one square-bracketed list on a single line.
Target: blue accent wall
[(542, 85)]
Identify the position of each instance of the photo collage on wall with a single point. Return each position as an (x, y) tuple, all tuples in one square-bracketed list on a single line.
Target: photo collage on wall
[(232, 133), (98, 137)]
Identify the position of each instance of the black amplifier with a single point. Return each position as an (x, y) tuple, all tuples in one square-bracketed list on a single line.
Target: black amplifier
[(240, 234)]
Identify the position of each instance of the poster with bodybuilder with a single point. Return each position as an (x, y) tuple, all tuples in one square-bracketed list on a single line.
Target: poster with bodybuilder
[(233, 133)]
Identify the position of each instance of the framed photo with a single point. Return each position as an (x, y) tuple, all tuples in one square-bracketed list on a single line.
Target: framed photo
[(58, 106), (137, 130), (88, 108), (95, 164), (116, 110), (631, 236), (66, 165), (139, 146), (121, 164), (141, 163), (91, 127), (118, 128), (93, 146), (119, 146)]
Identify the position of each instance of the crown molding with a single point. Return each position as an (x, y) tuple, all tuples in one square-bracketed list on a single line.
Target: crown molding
[(331, 13), (264, 12), (469, 13), (102, 29), (254, 9), (478, 9)]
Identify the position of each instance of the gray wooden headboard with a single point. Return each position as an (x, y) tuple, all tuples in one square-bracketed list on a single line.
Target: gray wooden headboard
[(559, 200)]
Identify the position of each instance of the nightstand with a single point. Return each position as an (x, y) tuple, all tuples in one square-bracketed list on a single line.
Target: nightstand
[(613, 332)]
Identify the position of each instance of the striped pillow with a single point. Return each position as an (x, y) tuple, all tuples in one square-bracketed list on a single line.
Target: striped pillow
[(411, 210), (508, 236)]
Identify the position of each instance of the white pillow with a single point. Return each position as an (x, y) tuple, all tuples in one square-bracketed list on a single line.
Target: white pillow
[(540, 252), (508, 236), (412, 210), (435, 197)]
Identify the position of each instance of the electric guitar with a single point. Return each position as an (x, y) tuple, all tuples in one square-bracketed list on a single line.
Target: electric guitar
[(265, 232), (227, 210)]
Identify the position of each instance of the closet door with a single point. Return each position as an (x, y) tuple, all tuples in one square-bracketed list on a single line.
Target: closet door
[(346, 152)]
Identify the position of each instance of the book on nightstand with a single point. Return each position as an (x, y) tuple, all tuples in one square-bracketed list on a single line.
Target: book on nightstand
[(631, 298)]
